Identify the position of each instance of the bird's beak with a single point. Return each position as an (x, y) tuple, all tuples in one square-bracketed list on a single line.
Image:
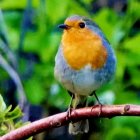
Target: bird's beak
[(63, 26)]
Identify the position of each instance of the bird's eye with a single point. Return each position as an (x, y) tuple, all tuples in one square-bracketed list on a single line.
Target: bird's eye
[(82, 25)]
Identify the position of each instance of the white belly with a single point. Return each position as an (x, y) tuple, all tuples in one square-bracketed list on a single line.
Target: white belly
[(84, 81)]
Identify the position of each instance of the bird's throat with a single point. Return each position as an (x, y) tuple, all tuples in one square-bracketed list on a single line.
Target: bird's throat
[(80, 49)]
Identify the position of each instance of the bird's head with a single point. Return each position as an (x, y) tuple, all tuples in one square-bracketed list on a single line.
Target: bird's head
[(77, 24), (81, 43)]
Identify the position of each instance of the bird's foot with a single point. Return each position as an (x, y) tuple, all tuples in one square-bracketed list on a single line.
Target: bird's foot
[(100, 107)]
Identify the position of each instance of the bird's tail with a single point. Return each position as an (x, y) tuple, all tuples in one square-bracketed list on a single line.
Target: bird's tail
[(79, 127), (83, 125)]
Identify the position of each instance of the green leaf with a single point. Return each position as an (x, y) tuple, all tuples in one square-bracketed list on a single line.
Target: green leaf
[(56, 10), (8, 109), (133, 44), (10, 4), (132, 59), (76, 8), (116, 134), (135, 76), (2, 104), (121, 64), (117, 35), (107, 20), (14, 114), (34, 90), (133, 8), (48, 53)]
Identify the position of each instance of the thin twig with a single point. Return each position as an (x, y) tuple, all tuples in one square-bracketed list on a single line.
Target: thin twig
[(107, 111), (15, 77), (4, 42)]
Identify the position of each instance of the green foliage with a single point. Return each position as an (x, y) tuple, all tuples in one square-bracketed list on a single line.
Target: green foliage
[(2, 104), (125, 129), (6, 4), (7, 117), (40, 43), (116, 133), (36, 89)]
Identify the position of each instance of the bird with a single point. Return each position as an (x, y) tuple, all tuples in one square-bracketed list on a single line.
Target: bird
[(84, 62)]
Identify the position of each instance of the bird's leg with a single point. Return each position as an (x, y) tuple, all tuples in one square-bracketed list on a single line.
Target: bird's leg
[(94, 93), (70, 105), (100, 104)]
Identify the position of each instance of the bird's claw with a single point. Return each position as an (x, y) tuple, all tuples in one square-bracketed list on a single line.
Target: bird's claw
[(69, 112), (100, 106)]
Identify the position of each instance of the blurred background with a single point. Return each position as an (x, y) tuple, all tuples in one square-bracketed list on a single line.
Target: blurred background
[(29, 39)]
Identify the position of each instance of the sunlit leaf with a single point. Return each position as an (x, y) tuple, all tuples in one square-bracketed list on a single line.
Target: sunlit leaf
[(2, 104), (16, 4), (133, 44), (34, 90)]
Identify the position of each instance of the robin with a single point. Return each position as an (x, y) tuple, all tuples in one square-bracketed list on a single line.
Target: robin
[(84, 62)]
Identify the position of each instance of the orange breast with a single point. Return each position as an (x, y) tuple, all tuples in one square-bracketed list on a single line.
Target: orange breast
[(83, 47)]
